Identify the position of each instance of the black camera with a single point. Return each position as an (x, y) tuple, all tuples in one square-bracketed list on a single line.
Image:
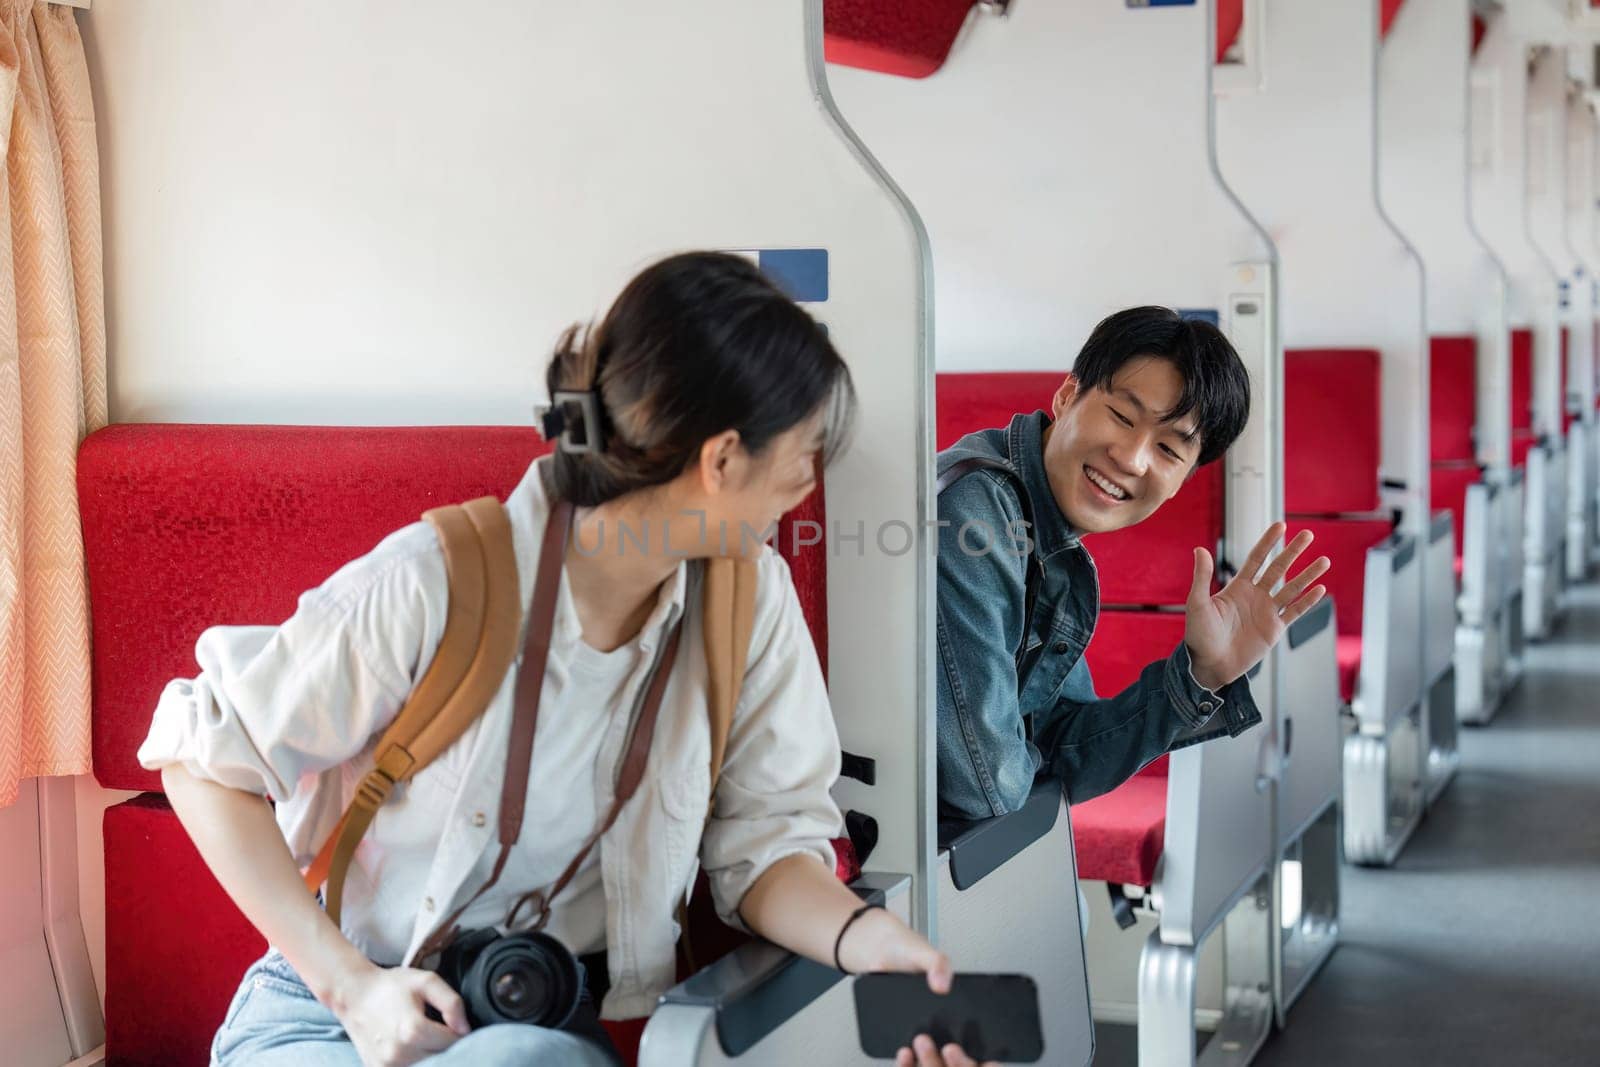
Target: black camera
[(513, 978)]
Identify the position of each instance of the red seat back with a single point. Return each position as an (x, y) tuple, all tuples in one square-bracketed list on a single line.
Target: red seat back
[(967, 403), (1331, 430), (1521, 380), (1345, 543), (1124, 644), (1453, 400)]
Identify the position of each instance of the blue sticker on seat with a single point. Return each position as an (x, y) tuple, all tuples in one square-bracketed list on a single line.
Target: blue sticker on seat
[(1201, 315), (802, 273)]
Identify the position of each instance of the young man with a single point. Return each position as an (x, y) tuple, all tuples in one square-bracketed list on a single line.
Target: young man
[(1151, 397)]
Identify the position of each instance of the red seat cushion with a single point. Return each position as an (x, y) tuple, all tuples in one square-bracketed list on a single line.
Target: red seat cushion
[(1332, 406), (910, 38), (1453, 400), (1345, 543), (1119, 836), (1347, 650)]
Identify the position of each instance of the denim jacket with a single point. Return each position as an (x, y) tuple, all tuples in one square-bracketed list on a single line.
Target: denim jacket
[(1003, 721)]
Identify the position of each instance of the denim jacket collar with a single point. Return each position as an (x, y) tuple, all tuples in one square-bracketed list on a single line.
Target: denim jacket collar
[(1052, 534)]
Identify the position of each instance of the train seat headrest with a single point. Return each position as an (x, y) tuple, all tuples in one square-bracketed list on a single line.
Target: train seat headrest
[(911, 38), (1453, 399)]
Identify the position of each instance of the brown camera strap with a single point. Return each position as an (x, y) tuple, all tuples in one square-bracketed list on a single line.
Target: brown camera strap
[(525, 721)]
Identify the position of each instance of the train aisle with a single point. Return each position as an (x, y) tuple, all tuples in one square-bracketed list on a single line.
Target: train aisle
[(1480, 946)]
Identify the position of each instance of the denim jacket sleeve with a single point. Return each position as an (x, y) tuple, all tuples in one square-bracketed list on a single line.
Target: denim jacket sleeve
[(1094, 745), (986, 763)]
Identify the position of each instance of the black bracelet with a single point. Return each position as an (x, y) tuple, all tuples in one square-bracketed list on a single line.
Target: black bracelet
[(854, 915)]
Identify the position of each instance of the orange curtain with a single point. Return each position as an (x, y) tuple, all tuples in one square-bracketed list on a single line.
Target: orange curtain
[(52, 387)]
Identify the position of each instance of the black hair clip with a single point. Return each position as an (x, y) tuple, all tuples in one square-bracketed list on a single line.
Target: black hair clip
[(572, 420)]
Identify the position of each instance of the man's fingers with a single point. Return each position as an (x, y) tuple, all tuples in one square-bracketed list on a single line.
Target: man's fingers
[(1303, 605), (1258, 554), (1200, 587), (1291, 592), (904, 1058), (1285, 559), (927, 1051)]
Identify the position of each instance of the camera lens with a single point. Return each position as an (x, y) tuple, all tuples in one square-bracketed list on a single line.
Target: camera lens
[(523, 978)]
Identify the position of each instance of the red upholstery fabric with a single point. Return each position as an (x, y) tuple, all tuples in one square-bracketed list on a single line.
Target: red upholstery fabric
[(1448, 491), (279, 508), (188, 526), (1567, 418), (1453, 405), (1480, 27), (1230, 20), (175, 944), (1347, 650), (1125, 642), (1387, 10), (1153, 562), (1521, 379), (1345, 543), (1522, 442), (1331, 400), (967, 403), (911, 38), (1119, 836)]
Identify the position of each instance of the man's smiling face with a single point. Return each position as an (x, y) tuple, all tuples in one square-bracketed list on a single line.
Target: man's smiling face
[(1111, 455)]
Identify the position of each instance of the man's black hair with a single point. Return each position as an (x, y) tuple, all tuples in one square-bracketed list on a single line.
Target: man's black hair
[(1216, 386)]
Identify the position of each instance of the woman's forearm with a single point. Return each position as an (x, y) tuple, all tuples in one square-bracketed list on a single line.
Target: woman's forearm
[(800, 904), (239, 839)]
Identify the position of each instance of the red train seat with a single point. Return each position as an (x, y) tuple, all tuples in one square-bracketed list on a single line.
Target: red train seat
[(1345, 543), (190, 526)]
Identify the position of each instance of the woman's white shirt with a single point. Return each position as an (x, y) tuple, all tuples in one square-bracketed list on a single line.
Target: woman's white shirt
[(294, 712)]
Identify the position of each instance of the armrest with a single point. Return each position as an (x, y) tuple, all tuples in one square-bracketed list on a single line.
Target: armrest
[(1316, 620), (1442, 524), (979, 848), (758, 986)]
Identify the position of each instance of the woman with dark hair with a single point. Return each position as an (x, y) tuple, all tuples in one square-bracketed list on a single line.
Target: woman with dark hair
[(700, 404)]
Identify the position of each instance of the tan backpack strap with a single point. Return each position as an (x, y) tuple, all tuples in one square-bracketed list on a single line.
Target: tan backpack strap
[(476, 650), (728, 602)]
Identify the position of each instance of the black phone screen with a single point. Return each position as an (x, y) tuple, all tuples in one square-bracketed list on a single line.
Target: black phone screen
[(991, 1016)]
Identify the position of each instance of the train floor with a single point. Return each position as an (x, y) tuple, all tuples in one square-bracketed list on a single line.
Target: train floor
[(1482, 944)]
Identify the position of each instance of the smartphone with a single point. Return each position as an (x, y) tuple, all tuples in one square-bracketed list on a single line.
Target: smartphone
[(991, 1016)]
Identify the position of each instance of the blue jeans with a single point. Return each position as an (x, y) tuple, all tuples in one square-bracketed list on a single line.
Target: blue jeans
[(274, 1021)]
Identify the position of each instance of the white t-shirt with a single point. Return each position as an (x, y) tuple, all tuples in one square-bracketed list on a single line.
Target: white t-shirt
[(562, 809)]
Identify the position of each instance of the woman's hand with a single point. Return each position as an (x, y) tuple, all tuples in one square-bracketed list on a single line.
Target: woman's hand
[(879, 941), (383, 1009)]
